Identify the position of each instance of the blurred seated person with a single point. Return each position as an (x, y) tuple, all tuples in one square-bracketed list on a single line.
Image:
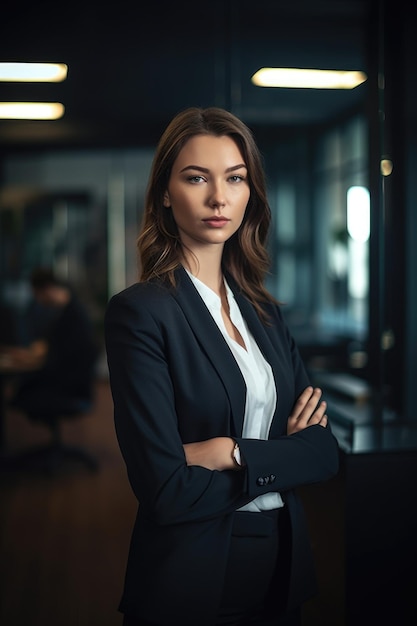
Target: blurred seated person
[(61, 363), (8, 327)]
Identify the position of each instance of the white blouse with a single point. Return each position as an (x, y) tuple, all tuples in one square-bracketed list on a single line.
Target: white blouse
[(261, 393)]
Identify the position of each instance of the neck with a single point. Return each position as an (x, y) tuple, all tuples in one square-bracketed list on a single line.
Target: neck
[(206, 266)]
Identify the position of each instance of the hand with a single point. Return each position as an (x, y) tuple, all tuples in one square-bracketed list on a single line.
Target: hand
[(29, 356), (308, 410), (213, 454)]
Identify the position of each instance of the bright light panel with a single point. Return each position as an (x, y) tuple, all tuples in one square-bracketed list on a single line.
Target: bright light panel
[(31, 110), (33, 72), (358, 213), (307, 79)]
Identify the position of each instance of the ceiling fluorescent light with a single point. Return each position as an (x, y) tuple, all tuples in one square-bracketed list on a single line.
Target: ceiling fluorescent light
[(307, 78), (31, 110), (33, 72)]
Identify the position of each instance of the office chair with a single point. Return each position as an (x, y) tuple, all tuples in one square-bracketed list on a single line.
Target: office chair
[(56, 454), (62, 387), (51, 407)]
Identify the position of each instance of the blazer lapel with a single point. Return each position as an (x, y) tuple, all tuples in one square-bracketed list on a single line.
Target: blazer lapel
[(255, 325), (214, 345), (267, 346)]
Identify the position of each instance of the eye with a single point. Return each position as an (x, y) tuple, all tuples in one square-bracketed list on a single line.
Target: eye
[(195, 180), (237, 178)]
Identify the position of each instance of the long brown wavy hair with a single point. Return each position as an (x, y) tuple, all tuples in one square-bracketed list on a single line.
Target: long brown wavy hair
[(244, 255)]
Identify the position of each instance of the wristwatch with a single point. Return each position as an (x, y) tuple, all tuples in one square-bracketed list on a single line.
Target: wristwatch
[(236, 455)]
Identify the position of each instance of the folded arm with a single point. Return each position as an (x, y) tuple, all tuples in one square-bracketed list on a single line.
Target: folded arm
[(217, 453)]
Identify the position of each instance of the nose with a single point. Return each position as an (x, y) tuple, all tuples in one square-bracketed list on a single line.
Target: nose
[(217, 196)]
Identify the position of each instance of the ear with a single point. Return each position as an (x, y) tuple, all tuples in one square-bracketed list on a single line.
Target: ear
[(167, 202)]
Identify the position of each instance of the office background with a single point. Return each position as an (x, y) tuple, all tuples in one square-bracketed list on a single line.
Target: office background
[(72, 191)]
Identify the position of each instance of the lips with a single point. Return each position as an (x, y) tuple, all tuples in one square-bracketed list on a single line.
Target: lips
[(216, 221)]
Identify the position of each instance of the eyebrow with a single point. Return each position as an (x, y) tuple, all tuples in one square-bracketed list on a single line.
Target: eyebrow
[(206, 171)]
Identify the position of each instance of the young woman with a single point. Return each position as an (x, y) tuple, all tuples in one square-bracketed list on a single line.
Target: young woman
[(214, 413)]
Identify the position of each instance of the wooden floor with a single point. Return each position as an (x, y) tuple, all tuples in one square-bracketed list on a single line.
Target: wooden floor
[(64, 538)]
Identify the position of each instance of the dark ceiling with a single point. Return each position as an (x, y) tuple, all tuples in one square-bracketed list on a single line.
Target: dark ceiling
[(131, 67)]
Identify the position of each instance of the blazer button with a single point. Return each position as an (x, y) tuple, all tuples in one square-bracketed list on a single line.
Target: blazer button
[(260, 481)]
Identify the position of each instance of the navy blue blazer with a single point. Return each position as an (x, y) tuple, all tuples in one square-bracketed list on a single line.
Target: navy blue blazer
[(174, 380)]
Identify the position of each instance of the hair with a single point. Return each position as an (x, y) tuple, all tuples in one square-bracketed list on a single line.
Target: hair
[(43, 277), (245, 255)]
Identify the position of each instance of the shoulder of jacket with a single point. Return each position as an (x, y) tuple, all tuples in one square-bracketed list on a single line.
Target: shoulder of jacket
[(143, 294)]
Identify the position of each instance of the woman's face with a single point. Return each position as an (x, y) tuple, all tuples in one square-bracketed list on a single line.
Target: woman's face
[(208, 190)]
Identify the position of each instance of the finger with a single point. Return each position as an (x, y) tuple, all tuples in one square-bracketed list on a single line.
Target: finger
[(323, 421), (311, 404), (301, 402), (318, 414)]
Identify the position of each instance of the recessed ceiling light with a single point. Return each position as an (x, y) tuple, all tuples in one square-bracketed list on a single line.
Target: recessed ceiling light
[(31, 110), (307, 78), (33, 72)]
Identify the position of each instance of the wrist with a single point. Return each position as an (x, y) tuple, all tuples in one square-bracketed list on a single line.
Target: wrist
[(237, 457)]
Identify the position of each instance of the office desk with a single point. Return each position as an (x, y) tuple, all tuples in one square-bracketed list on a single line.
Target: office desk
[(378, 480)]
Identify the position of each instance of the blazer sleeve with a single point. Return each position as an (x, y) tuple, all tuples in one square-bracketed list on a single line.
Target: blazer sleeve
[(285, 462), (146, 422)]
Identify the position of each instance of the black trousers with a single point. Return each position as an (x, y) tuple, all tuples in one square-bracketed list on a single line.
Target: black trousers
[(251, 573)]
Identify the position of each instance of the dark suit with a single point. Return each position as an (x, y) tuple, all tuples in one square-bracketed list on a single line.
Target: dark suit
[(174, 380)]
